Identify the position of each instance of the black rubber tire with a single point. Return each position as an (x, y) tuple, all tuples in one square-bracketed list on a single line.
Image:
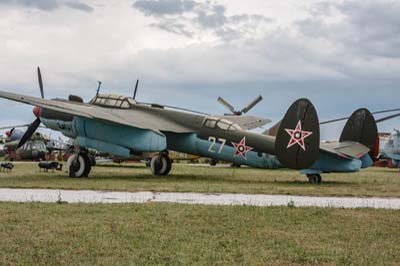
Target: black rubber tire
[(312, 178), (88, 164), (234, 165), (213, 162), (169, 166), (160, 165), (83, 167)]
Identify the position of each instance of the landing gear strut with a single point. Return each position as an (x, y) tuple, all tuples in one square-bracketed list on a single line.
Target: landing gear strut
[(79, 164), (314, 178), (161, 164)]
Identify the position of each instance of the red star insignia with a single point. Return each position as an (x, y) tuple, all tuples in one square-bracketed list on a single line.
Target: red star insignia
[(297, 136), (241, 148)]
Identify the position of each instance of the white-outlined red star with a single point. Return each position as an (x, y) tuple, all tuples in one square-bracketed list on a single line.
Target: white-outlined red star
[(241, 148), (298, 136)]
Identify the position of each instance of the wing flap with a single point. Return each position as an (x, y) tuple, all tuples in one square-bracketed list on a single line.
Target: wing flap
[(247, 121)]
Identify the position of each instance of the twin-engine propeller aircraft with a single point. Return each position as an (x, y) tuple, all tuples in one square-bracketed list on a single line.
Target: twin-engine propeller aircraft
[(121, 126)]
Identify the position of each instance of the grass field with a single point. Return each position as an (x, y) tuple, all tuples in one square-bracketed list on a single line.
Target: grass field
[(168, 234), (380, 182)]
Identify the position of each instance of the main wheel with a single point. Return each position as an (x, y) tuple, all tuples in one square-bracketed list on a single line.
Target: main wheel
[(78, 165), (314, 178), (160, 165)]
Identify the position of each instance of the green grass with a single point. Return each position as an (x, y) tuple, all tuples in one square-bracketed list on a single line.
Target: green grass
[(171, 234), (380, 182)]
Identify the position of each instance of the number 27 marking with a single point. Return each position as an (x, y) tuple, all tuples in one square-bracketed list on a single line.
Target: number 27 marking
[(213, 141)]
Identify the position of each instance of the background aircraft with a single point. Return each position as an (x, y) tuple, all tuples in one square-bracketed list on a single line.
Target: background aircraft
[(252, 121), (121, 126), (392, 147), (2, 152), (36, 148)]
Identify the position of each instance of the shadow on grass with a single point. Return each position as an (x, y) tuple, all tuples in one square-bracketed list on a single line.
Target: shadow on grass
[(213, 179), (121, 166)]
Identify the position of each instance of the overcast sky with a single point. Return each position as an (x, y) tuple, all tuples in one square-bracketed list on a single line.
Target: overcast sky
[(340, 55)]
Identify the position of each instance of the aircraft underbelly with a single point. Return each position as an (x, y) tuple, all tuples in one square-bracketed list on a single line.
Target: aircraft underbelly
[(218, 149), (328, 162)]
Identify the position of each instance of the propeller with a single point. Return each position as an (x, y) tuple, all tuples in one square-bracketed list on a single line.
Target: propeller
[(36, 111), (244, 110), (374, 113), (135, 91)]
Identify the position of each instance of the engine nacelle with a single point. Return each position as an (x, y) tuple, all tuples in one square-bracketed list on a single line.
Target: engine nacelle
[(109, 137)]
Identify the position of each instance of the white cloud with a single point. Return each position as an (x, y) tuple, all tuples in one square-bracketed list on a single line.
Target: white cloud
[(320, 51)]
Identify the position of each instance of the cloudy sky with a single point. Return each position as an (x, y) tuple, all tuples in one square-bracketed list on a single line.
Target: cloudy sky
[(342, 55)]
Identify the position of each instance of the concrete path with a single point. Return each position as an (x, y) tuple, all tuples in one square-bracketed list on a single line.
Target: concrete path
[(91, 196)]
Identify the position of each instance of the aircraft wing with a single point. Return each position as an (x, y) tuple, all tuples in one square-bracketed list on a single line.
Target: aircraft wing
[(346, 149), (246, 121), (140, 119)]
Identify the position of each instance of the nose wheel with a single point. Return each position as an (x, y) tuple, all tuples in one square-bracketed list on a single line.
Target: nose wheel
[(79, 165), (314, 178), (161, 164)]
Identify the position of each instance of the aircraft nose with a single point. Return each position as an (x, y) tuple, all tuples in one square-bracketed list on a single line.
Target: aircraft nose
[(36, 111)]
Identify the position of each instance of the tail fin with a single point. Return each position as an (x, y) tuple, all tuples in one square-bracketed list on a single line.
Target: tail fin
[(297, 140), (361, 127)]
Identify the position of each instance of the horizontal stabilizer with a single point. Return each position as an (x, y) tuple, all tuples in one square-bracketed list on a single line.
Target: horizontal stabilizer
[(346, 149)]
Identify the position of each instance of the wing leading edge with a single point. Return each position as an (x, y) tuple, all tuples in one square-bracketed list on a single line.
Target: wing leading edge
[(139, 118)]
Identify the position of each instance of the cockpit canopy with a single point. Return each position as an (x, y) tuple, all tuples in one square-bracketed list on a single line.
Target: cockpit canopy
[(220, 123), (113, 101)]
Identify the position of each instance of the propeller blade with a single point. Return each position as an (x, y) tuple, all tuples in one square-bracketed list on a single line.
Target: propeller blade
[(226, 104), (29, 132), (374, 113), (387, 118), (98, 87), (136, 86), (386, 111), (252, 104), (333, 120), (40, 82)]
